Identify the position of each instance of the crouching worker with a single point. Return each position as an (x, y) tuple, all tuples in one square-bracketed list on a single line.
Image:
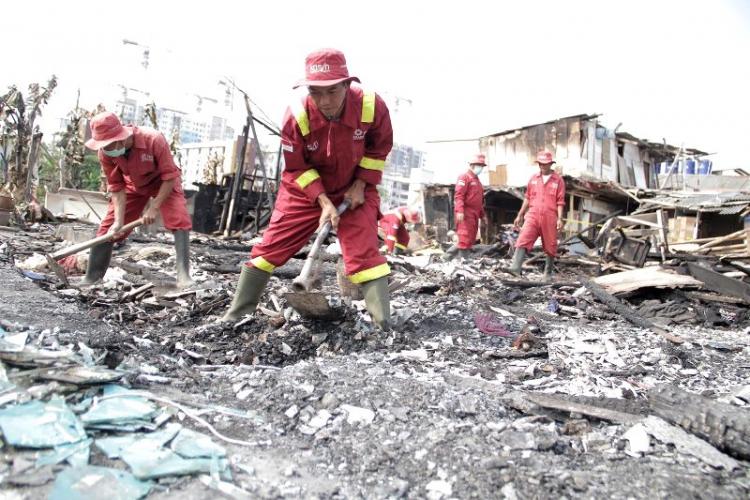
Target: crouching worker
[(138, 166), (335, 142), (392, 228)]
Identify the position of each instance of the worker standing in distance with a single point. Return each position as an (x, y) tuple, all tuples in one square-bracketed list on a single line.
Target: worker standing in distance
[(335, 142), (139, 166), (468, 203), (392, 228), (545, 202)]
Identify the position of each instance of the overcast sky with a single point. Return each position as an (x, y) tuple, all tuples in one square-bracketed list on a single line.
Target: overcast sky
[(666, 69)]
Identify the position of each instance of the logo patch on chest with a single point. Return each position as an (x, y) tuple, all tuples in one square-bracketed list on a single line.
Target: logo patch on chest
[(359, 134), (313, 146), (147, 157)]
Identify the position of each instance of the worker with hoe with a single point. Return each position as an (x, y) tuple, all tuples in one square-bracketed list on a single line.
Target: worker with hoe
[(335, 142), (468, 207), (393, 228), (545, 202), (139, 166)]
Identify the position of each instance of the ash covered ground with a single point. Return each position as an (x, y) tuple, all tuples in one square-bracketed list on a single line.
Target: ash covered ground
[(443, 406)]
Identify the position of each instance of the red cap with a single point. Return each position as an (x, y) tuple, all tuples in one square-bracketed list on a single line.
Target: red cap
[(544, 157), (106, 129), (325, 67), (478, 160)]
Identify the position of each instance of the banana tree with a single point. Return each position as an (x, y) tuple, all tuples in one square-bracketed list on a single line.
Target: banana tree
[(21, 139)]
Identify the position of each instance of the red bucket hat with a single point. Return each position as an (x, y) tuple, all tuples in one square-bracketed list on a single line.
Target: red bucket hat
[(325, 67), (478, 160), (106, 129), (544, 157)]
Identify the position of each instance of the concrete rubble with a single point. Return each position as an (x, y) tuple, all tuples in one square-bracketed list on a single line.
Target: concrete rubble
[(488, 386)]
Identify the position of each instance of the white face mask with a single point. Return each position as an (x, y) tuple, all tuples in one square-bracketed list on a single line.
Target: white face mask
[(478, 170)]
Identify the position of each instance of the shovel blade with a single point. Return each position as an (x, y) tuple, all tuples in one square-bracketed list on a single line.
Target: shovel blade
[(312, 305)]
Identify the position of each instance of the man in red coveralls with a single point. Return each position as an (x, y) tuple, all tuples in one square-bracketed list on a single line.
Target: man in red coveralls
[(545, 202), (393, 228), (335, 143), (468, 203), (138, 165)]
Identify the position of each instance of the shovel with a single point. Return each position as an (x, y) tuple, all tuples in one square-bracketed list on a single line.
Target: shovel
[(80, 247), (306, 302)]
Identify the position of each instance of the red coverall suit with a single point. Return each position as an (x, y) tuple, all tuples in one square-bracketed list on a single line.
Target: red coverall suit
[(140, 172), (541, 219), (393, 229), (469, 199), (324, 156)]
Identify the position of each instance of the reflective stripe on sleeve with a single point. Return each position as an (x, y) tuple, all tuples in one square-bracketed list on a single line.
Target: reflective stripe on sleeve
[(370, 274), (263, 264), (300, 114), (400, 246), (368, 107), (307, 177), (372, 163)]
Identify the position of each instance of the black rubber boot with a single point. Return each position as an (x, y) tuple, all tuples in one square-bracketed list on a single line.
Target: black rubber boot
[(182, 260), (99, 259), (450, 253), (378, 301), (518, 257), (249, 289), (549, 268)]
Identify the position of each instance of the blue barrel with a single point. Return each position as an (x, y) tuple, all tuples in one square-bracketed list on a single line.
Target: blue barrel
[(704, 167), (690, 166), (656, 167)]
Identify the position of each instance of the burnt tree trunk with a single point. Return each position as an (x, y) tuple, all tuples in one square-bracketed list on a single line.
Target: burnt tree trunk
[(725, 426)]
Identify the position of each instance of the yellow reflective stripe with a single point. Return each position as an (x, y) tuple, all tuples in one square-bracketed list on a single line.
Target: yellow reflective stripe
[(368, 107), (307, 177), (372, 163), (300, 114), (370, 274), (399, 245), (390, 237), (263, 264)]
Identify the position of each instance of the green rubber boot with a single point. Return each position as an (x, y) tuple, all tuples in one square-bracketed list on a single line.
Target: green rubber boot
[(378, 301), (549, 268), (182, 258), (518, 257), (99, 259), (249, 289)]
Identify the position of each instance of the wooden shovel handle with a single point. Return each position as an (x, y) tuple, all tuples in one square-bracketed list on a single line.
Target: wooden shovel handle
[(80, 247)]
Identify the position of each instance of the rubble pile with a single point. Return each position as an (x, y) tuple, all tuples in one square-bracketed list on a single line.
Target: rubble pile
[(623, 385)]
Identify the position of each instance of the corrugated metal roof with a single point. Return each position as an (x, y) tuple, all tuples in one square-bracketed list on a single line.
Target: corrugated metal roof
[(732, 209), (728, 203)]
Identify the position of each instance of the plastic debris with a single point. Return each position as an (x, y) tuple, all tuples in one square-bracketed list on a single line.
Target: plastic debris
[(191, 444), (90, 482), (41, 425), (148, 458), (76, 454), (13, 343), (119, 411), (553, 306), (489, 324), (114, 447)]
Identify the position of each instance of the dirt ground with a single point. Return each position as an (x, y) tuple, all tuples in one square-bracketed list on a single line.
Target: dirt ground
[(436, 412)]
